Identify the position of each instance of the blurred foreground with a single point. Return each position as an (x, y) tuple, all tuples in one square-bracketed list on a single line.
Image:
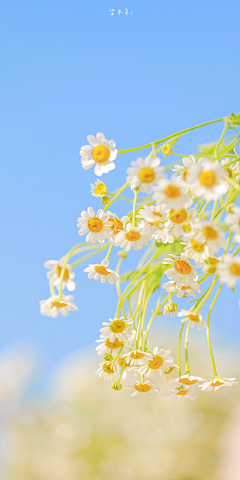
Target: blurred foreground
[(84, 430)]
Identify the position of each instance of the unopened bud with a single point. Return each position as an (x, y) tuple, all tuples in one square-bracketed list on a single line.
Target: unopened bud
[(211, 269), (157, 312), (122, 254), (105, 200), (116, 386), (170, 308), (186, 227), (108, 357), (166, 149)]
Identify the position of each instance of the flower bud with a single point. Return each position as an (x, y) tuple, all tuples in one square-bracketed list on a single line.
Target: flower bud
[(105, 200), (122, 254), (116, 386), (186, 227), (108, 357), (211, 269), (170, 308), (166, 149)]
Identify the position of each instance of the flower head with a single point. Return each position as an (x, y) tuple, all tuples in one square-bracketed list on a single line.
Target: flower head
[(137, 357), (105, 345), (99, 189), (117, 328), (100, 153), (53, 305), (194, 318), (229, 270), (154, 223), (217, 383), (132, 237), (207, 179), (161, 361), (143, 387), (171, 195), (55, 267), (182, 271), (94, 225), (183, 391), (102, 271), (107, 370), (170, 287), (145, 173)]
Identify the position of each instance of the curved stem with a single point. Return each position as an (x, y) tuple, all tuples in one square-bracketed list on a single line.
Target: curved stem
[(220, 139), (208, 332), (115, 196)]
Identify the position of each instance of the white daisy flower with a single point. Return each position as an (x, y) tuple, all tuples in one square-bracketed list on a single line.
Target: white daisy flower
[(182, 391), (116, 225), (132, 237), (183, 169), (102, 271), (188, 380), (181, 271), (217, 383), (181, 219), (55, 267), (208, 233), (99, 189), (154, 223), (207, 179), (161, 361), (171, 373), (105, 346), (210, 265), (194, 249), (144, 173), (232, 170), (233, 220), (229, 270), (137, 357), (100, 153), (94, 225), (107, 370), (170, 194), (53, 305), (143, 387), (170, 287), (117, 328), (193, 317)]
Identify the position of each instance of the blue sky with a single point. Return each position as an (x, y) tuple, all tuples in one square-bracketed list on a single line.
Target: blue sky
[(69, 69)]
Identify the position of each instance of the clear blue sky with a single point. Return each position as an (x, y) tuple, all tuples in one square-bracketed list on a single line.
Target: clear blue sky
[(68, 69)]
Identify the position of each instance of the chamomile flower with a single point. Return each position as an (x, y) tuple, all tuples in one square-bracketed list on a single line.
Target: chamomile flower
[(53, 305), (99, 189), (143, 387), (154, 223), (107, 370), (217, 383), (208, 233), (179, 219), (229, 270), (181, 392), (105, 345), (100, 153), (194, 249), (188, 380), (233, 169), (194, 318), (161, 361), (181, 271), (233, 220), (207, 179), (170, 194), (116, 225), (137, 357), (55, 267), (94, 225), (131, 237), (183, 169), (171, 373), (145, 173), (170, 287), (102, 271), (117, 328)]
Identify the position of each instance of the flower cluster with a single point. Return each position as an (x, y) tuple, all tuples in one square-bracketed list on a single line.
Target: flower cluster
[(190, 224)]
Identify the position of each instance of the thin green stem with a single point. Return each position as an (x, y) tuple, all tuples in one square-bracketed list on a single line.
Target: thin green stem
[(151, 321), (221, 138), (88, 256), (116, 196), (109, 251), (179, 348), (208, 332), (134, 207), (187, 368)]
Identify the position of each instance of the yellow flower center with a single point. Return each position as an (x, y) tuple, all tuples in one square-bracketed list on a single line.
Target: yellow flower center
[(58, 304), (101, 154), (132, 236), (180, 217), (66, 273), (108, 368), (186, 381), (136, 355), (208, 178), (193, 317), (182, 392), (197, 246), (235, 269), (216, 383), (211, 260), (229, 171), (117, 326), (155, 363), (102, 270), (95, 224), (116, 226), (142, 387), (120, 362), (101, 189), (171, 191), (169, 370), (146, 175), (182, 267), (113, 345), (210, 233), (183, 287)]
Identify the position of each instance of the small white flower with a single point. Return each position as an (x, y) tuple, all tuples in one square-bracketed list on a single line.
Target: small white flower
[(117, 328), (217, 383), (55, 267), (145, 173), (161, 361), (233, 169), (207, 179), (99, 189), (180, 220), (105, 346), (154, 223), (194, 249), (107, 370), (233, 220), (171, 373), (100, 153), (170, 287), (182, 391), (193, 317), (183, 169), (132, 237), (229, 270), (170, 194), (102, 271), (208, 233), (188, 380), (137, 357), (53, 305), (94, 225), (144, 387), (116, 225), (181, 271)]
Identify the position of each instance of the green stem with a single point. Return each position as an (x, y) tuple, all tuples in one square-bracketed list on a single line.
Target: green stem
[(208, 332), (51, 287), (109, 251), (187, 369), (115, 196), (88, 256), (151, 320), (179, 348), (134, 207), (220, 139)]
